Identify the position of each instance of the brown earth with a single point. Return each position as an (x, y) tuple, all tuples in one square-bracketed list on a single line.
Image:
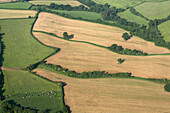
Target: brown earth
[(111, 95), (92, 32), (85, 57)]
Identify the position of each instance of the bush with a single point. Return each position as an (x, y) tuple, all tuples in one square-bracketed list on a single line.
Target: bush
[(167, 87)]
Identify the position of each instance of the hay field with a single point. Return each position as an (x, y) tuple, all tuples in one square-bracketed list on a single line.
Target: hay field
[(111, 95), (64, 2), (133, 18), (85, 57), (4, 13), (164, 28), (92, 32), (154, 10)]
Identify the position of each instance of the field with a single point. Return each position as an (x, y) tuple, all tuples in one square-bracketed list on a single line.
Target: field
[(5, 13), (85, 57), (164, 28), (17, 5), (154, 10), (133, 18), (112, 95), (64, 2), (21, 49), (29, 90), (82, 14), (4, 1), (92, 32)]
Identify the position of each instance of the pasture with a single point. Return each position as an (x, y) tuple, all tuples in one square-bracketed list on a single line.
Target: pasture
[(81, 14), (32, 91), (5, 13), (111, 94), (48, 2), (16, 5), (21, 49), (154, 10), (133, 18), (81, 57), (92, 32), (164, 28), (124, 3)]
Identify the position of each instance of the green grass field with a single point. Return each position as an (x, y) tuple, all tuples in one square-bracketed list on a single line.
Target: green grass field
[(122, 3), (82, 14), (21, 49), (164, 28), (32, 91), (133, 18), (153, 10), (17, 5)]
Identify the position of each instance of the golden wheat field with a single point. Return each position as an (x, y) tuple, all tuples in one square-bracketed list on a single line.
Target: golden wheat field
[(112, 95), (48, 2), (5, 13), (92, 32), (85, 57)]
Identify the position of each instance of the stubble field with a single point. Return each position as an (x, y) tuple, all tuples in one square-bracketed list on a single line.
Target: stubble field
[(85, 57), (92, 32), (111, 95)]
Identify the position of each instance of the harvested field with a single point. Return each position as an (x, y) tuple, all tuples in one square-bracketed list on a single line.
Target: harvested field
[(111, 95), (92, 32), (64, 2), (4, 1), (4, 13), (85, 57)]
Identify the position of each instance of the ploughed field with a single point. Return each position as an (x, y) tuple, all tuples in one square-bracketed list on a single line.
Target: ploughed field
[(111, 95), (92, 32), (80, 57)]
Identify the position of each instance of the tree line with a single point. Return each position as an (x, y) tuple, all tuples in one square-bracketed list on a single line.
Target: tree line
[(121, 50), (90, 74)]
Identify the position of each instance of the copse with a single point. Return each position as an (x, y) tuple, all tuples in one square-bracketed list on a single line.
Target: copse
[(126, 36), (65, 35)]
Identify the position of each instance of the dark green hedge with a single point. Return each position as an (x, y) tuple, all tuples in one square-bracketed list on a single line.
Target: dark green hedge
[(167, 87)]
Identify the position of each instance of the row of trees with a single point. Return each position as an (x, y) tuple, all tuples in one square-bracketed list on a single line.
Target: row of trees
[(133, 11), (11, 107), (121, 50), (90, 74)]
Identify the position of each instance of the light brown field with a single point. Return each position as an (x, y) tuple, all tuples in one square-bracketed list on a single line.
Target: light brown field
[(85, 57), (4, 1), (92, 32), (4, 13), (64, 2), (112, 95)]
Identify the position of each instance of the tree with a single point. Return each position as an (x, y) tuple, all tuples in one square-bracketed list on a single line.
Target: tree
[(65, 35), (120, 60), (126, 36)]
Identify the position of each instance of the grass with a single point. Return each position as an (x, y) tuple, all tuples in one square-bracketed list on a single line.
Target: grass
[(123, 3), (81, 57), (92, 32), (17, 5), (164, 28), (5, 13), (82, 14), (48, 2), (26, 89), (133, 18), (154, 10), (109, 94), (21, 49)]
